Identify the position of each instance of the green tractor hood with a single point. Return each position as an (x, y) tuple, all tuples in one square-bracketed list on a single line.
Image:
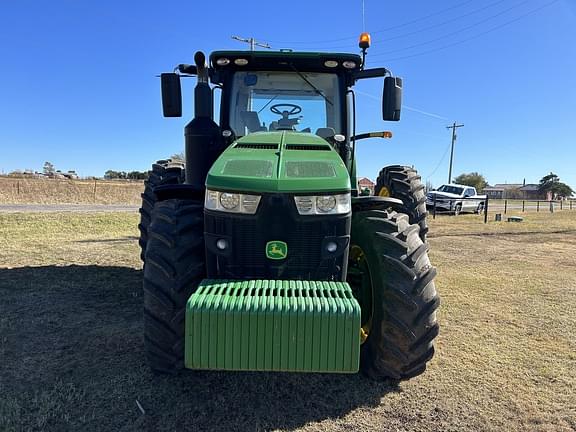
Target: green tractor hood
[(290, 162)]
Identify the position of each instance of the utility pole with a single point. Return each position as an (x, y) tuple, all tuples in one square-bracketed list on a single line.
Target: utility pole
[(253, 42), (453, 127)]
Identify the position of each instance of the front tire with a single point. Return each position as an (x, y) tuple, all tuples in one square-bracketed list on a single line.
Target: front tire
[(404, 183), (392, 278), (457, 209), (175, 266)]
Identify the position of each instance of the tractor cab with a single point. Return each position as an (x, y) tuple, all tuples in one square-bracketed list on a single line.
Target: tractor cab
[(305, 96)]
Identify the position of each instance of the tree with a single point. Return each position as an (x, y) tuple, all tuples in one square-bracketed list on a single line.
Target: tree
[(551, 183), (137, 175), (178, 156), (49, 168), (473, 179), (111, 174)]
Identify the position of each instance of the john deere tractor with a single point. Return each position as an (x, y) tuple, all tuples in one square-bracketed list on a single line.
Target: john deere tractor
[(260, 253)]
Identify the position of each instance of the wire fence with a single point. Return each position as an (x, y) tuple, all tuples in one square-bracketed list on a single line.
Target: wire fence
[(484, 206), (56, 191)]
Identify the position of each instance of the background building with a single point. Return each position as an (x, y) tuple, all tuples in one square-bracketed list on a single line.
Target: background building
[(366, 183)]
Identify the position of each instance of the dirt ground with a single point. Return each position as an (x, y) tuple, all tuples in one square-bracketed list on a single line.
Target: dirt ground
[(71, 346)]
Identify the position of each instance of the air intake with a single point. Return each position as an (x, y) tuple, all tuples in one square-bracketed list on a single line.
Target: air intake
[(273, 325), (263, 146), (318, 147)]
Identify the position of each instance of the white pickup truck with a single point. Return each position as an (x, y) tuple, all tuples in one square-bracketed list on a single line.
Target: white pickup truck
[(456, 198)]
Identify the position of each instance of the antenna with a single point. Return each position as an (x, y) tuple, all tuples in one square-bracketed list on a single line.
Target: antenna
[(363, 18), (253, 42)]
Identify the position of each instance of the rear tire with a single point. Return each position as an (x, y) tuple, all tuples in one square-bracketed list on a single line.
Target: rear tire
[(480, 208), (175, 265), (163, 172), (404, 183), (400, 316)]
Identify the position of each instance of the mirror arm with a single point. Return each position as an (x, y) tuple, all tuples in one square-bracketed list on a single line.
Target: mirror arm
[(187, 69), (371, 73), (383, 134)]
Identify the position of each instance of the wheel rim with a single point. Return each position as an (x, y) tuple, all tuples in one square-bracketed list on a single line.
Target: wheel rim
[(361, 282), (384, 192)]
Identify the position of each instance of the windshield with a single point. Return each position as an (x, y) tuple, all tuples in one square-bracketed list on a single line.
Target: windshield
[(450, 189), (269, 101)]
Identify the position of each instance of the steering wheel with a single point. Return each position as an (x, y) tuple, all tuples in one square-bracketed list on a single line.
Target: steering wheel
[(293, 109)]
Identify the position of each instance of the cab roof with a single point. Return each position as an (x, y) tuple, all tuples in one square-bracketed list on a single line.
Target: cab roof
[(285, 60)]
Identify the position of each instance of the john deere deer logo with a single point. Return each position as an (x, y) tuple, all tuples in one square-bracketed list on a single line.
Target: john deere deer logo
[(276, 250)]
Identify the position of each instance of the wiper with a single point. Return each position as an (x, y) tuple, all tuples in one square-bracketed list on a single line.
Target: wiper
[(310, 84), (267, 103)]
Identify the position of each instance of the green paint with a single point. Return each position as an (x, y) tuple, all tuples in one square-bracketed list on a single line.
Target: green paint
[(353, 178), (276, 250), (269, 162), (272, 325)]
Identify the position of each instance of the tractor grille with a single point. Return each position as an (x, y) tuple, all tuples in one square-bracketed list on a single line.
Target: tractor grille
[(276, 220)]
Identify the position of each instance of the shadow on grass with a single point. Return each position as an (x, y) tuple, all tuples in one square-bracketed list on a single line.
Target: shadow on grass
[(72, 353)]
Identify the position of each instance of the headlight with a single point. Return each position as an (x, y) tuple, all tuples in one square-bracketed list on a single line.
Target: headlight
[(323, 204), (326, 204), (231, 202)]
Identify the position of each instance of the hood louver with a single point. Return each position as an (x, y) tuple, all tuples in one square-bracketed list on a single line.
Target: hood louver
[(258, 146), (314, 147)]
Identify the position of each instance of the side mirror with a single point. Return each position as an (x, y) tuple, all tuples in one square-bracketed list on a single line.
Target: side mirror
[(171, 95), (392, 98)]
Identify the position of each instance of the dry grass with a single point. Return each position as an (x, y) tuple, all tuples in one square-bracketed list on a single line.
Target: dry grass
[(57, 191), (71, 344)]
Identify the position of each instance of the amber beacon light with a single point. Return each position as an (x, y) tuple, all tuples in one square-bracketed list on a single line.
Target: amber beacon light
[(364, 42)]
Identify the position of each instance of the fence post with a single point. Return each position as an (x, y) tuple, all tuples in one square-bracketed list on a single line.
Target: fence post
[(551, 206), (434, 208), (560, 204), (523, 206), (538, 206), (486, 210), (18, 187), (570, 204), (94, 191), (505, 205)]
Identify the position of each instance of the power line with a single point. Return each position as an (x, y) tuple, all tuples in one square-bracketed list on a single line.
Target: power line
[(439, 162), (404, 24), (424, 29), (457, 18), (475, 36), (443, 23), (426, 113), (409, 108), (380, 54)]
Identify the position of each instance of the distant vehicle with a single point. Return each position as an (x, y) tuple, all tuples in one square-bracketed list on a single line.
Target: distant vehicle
[(456, 198)]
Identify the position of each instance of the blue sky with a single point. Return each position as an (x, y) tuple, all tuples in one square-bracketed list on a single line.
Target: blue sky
[(79, 84)]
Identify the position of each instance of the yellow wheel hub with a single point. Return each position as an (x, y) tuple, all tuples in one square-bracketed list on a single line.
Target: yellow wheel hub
[(384, 192), (357, 257)]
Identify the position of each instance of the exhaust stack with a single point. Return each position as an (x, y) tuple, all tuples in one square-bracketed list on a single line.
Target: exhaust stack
[(202, 135)]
